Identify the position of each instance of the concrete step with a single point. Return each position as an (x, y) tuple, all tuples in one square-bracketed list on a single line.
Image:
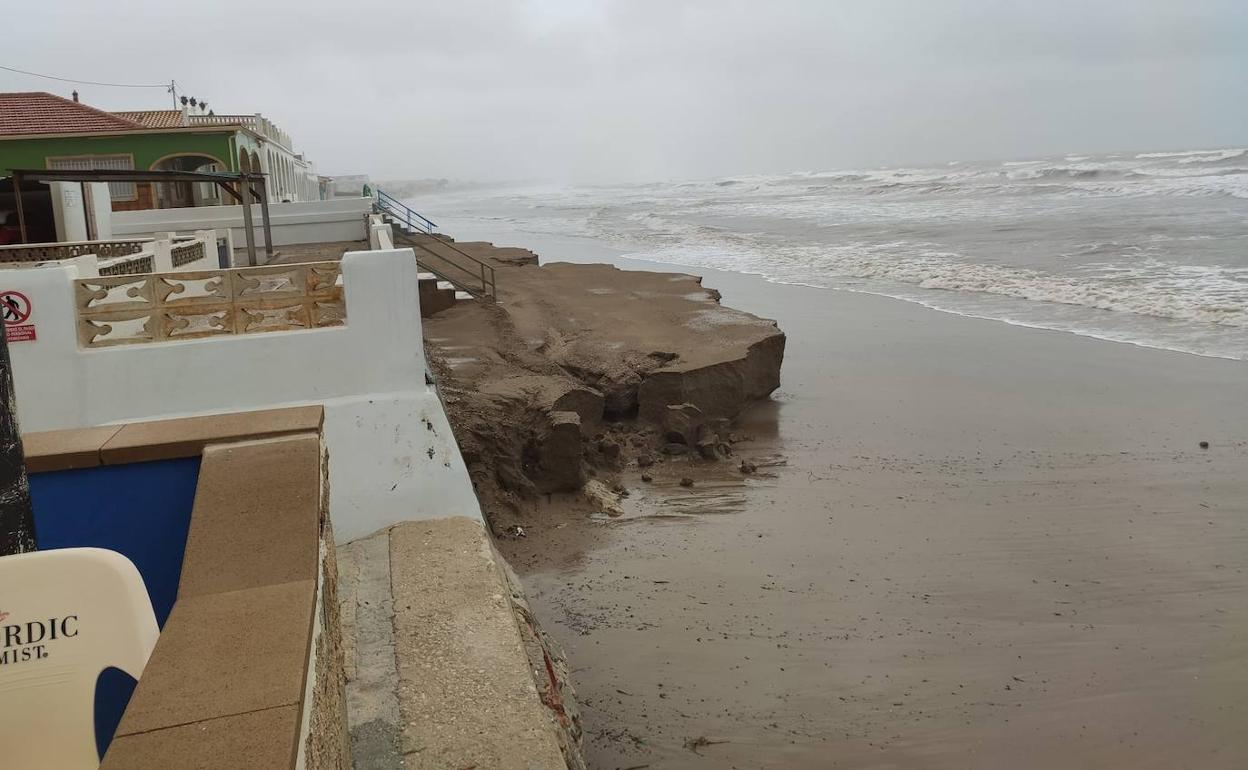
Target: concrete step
[(431, 252), (433, 297)]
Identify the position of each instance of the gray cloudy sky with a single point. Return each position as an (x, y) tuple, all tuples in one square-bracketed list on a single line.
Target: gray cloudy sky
[(605, 90)]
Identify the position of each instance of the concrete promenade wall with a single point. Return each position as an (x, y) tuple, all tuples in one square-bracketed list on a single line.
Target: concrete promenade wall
[(342, 219), (393, 457)]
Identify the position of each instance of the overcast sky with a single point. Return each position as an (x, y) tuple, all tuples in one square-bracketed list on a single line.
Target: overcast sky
[(607, 90)]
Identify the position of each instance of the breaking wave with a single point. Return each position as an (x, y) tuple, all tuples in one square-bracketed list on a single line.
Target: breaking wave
[(1150, 248), (1196, 156), (1103, 279)]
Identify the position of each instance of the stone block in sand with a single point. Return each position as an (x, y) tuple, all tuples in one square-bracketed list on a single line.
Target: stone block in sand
[(681, 423), (560, 448), (721, 386)]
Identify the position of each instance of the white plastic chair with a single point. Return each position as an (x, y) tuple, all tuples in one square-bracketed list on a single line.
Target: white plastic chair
[(65, 616)]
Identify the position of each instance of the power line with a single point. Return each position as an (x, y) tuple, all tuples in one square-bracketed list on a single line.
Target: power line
[(87, 82)]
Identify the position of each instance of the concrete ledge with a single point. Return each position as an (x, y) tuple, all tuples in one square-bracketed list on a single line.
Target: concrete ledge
[(187, 436), (56, 450), (254, 523), (205, 745), (248, 669), (62, 450), (466, 694), (226, 654)]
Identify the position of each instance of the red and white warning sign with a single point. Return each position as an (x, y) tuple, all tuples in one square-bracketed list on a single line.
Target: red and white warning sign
[(16, 310)]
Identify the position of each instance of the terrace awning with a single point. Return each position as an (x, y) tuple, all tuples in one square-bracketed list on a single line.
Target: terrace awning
[(226, 180)]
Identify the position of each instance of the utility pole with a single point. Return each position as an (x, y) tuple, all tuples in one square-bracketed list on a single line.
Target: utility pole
[(17, 518)]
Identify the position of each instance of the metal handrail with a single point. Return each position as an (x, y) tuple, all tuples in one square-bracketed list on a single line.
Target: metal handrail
[(399, 210), (456, 283), (387, 205), (484, 275)]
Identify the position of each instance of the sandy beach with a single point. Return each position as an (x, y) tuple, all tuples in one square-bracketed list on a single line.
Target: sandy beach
[(969, 544)]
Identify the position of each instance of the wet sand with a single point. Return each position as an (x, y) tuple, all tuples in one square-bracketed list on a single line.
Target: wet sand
[(969, 545)]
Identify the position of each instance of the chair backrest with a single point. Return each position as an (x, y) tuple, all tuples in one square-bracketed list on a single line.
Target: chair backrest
[(65, 616)]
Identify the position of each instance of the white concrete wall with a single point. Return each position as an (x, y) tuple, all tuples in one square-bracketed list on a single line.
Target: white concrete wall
[(392, 455), (69, 211), (380, 236), (77, 206), (291, 223), (101, 208)]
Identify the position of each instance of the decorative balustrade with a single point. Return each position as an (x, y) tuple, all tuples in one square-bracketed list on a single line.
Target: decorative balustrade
[(169, 307), (257, 123), (41, 252), (136, 265), (186, 253)]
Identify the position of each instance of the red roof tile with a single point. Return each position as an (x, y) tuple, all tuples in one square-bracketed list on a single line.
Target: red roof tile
[(36, 112), (154, 118)]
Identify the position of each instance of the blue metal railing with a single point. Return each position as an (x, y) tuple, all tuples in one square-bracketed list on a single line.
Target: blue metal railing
[(464, 271), (414, 220)]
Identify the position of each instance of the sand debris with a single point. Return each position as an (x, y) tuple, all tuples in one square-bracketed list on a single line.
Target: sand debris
[(603, 497)]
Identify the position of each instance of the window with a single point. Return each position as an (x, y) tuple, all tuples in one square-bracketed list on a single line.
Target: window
[(120, 191)]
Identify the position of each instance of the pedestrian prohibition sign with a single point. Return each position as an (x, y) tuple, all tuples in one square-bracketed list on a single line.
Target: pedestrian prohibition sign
[(15, 309)]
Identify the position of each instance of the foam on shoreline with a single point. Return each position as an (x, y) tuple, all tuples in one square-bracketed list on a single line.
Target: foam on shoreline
[(1144, 248)]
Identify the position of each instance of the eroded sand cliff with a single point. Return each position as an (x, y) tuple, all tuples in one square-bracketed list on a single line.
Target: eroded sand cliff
[(580, 370)]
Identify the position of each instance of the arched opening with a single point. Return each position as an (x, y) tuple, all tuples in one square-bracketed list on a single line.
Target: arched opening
[(172, 195), (256, 166), (244, 167)]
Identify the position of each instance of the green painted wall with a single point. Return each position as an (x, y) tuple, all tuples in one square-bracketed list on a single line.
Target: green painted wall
[(146, 148)]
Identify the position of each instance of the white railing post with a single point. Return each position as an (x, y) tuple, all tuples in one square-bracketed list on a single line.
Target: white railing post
[(162, 261)]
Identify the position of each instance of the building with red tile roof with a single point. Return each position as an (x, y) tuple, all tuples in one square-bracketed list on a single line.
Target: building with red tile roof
[(36, 112), (43, 131), (155, 118)]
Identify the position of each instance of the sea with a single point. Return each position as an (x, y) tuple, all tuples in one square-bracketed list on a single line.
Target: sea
[(1148, 248)]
